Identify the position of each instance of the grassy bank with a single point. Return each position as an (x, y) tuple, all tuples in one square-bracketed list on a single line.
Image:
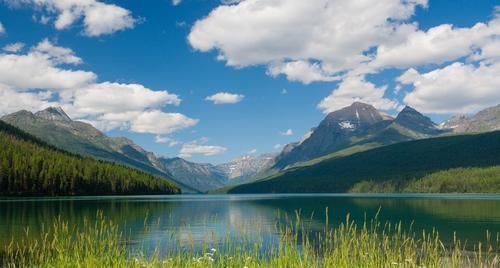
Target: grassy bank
[(350, 244)]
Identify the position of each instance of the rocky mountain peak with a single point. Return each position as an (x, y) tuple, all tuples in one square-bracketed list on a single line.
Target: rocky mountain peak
[(54, 114), (414, 120), (352, 117)]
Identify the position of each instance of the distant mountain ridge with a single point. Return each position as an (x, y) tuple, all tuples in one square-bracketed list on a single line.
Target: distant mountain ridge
[(207, 177), (485, 120)]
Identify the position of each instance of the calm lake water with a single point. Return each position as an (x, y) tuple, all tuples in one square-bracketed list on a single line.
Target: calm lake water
[(196, 218)]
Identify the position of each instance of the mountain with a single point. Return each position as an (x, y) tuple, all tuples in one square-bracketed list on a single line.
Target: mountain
[(333, 133), (397, 164), (29, 166), (485, 120), (417, 123), (357, 127), (247, 166), (55, 127), (208, 177), (203, 177)]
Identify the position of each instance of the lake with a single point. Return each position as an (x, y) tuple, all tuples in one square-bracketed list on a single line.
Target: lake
[(194, 219)]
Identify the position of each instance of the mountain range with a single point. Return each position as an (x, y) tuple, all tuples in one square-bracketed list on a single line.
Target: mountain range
[(55, 127), (328, 158), (356, 128)]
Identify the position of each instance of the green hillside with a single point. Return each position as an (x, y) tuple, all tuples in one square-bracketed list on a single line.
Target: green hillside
[(29, 166), (397, 165)]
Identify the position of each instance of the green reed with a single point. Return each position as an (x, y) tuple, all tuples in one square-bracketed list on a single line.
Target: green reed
[(370, 244)]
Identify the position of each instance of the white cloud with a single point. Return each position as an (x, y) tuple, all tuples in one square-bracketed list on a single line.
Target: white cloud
[(437, 45), (277, 146), (158, 122), (225, 98), (306, 40), (456, 88), (288, 132), (356, 88), (110, 97), (58, 55), (301, 71), (39, 69), (176, 2), (98, 18), (2, 29), (198, 147), (14, 47), (253, 151)]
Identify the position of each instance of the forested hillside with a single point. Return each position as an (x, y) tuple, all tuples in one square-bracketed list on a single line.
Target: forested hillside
[(28, 166)]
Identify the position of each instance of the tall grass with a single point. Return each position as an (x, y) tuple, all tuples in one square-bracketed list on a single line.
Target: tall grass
[(349, 244)]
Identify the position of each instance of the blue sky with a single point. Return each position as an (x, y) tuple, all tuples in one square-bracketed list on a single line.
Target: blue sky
[(197, 48)]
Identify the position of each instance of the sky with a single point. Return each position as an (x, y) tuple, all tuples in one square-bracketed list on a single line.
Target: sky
[(211, 80)]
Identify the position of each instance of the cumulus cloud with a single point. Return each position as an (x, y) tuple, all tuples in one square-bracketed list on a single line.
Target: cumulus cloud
[(2, 29), (301, 71), (356, 88), (40, 69), (38, 79), (98, 18), (14, 47), (437, 45), (318, 37), (57, 54), (225, 98), (288, 132), (456, 88), (199, 147), (158, 122), (110, 97)]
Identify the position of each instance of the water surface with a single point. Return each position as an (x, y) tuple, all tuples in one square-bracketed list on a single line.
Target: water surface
[(198, 218)]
